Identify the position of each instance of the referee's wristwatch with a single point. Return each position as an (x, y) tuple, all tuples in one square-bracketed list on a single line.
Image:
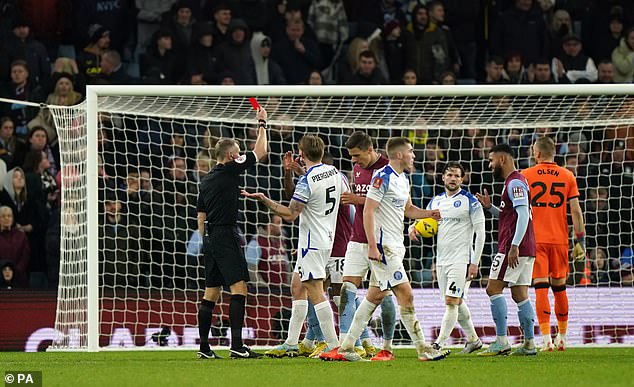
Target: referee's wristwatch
[(262, 123)]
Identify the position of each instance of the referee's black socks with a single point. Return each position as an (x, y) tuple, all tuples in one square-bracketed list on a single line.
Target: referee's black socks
[(236, 318), (205, 313)]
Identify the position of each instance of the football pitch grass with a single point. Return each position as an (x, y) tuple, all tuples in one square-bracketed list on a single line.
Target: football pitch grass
[(574, 367)]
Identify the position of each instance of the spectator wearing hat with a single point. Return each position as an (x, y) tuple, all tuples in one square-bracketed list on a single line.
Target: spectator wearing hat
[(235, 52), (22, 46), (623, 58), (14, 247), (203, 61), (296, 53), (573, 66), (221, 21), (266, 71), (89, 59), (181, 25), (22, 88), (328, 20), (394, 51), (63, 94), (160, 65)]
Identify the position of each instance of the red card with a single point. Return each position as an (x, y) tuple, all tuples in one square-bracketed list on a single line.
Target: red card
[(254, 103)]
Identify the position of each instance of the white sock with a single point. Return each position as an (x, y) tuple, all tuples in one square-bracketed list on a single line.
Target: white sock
[(464, 319), (411, 323), (387, 345), (360, 321), (504, 340), (309, 344), (326, 323), (298, 316), (448, 323), (336, 300)]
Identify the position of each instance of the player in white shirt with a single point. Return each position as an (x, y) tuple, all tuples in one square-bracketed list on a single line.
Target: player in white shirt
[(456, 261), (387, 203), (316, 202)]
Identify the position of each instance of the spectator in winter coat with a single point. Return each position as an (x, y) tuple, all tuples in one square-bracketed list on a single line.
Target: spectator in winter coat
[(234, 54), (14, 247), (22, 46), (623, 58), (266, 71), (296, 54)]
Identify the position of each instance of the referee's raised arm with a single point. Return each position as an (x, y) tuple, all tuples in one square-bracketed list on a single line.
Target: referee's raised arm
[(261, 143)]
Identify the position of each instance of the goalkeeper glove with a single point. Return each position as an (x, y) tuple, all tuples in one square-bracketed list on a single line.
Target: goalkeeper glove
[(579, 251)]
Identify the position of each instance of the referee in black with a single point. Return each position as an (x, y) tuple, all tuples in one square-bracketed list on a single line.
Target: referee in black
[(217, 223)]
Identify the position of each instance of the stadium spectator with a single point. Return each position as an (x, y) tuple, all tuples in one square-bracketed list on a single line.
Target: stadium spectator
[(328, 20), (414, 39), (605, 72), (21, 88), (514, 68), (112, 71), (315, 78), (560, 26), (149, 20), (14, 247), (520, 28), (266, 71), (495, 71), (296, 53), (623, 58), (202, 60), (234, 54), (447, 78), (21, 46), (607, 39), (160, 64), (63, 94), (180, 24), (7, 272), (8, 141), (539, 73), (409, 77), (350, 62), (574, 66), (15, 196), (222, 19), (394, 51), (368, 72), (38, 140), (89, 59), (202, 166), (437, 50), (267, 251), (120, 257)]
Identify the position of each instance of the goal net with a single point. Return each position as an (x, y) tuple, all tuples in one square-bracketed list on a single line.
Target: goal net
[(131, 263)]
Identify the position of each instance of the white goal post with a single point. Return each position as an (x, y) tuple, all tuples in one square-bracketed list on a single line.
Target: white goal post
[(446, 122)]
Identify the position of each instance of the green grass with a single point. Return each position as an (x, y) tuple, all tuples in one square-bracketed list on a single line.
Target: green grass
[(575, 367)]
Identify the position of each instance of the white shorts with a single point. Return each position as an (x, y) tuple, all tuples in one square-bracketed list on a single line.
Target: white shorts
[(522, 274), (334, 270), (452, 280), (357, 264), (312, 265), (390, 272)]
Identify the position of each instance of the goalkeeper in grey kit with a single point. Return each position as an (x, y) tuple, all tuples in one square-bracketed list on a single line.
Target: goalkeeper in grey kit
[(225, 264)]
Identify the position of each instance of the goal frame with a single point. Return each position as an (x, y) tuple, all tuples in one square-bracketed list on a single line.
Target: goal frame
[(93, 92)]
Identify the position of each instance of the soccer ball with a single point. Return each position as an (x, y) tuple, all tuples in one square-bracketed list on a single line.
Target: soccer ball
[(427, 227)]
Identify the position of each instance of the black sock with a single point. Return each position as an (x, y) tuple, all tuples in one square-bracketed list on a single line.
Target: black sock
[(205, 312), (236, 318)]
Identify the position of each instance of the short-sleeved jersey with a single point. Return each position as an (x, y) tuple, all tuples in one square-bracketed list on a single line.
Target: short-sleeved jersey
[(460, 213), (361, 183), (551, 188), (219, 191), (391, 190), (320, 190), (515, 193)]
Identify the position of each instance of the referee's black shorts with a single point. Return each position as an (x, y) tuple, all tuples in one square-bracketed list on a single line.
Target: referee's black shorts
[(224, 258)]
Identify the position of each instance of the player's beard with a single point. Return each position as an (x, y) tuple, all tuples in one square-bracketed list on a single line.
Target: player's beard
[(497, 172), (452, 188)]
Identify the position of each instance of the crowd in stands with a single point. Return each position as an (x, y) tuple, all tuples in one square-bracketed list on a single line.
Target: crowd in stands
[(52, 49)]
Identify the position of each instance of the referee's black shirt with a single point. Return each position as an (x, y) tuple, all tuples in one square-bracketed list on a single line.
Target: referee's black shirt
[(219, 191)]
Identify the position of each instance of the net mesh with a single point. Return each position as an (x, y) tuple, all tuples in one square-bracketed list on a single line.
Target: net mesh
[(153, 150)]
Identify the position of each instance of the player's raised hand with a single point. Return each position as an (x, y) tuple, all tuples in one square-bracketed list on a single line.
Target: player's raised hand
[(348, 198), (412, 233), (291, 164), (259, 196), (261, 114), (484, 199), (373, 253)]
